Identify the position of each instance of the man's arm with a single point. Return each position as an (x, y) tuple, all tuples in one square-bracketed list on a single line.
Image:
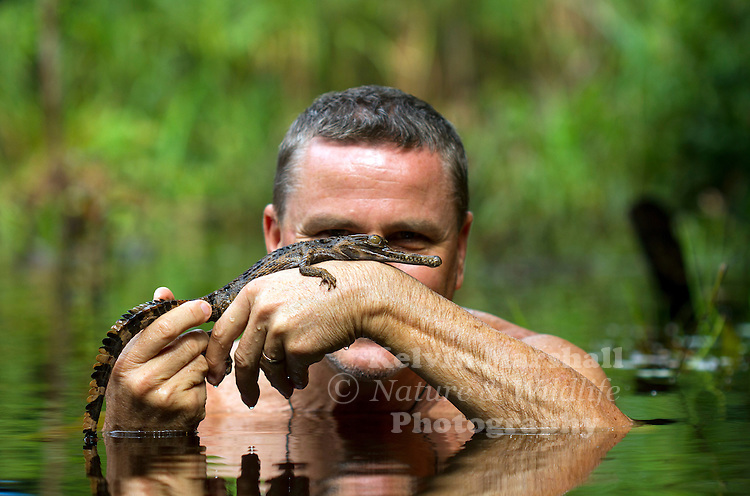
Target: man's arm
[(490, 375), (485, 373)]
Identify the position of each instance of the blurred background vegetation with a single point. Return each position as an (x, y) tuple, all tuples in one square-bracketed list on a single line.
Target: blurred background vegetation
[(138, 141)]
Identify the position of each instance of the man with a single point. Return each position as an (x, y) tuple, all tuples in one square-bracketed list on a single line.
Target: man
[(366, 160)]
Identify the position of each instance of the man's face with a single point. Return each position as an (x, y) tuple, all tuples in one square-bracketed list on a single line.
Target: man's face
[(403, 195)]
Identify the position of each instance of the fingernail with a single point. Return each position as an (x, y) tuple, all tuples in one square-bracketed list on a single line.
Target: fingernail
[(206, 309)]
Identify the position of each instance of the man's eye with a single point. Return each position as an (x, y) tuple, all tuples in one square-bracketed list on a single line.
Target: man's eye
[(409, 240), (330, 233)]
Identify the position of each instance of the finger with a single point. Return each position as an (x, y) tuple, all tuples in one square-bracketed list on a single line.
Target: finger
[(227, 329), (247, 366), (274, 365), (180, 353), (163, 293), (181, 400), (191, 375), (297, 372), (149, 343)]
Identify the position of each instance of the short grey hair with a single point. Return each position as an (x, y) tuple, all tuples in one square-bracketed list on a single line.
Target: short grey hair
[(373, 115)]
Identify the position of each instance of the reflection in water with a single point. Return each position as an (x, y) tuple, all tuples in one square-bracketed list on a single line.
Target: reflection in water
[(319, 454), (164, 465), (523, 464)]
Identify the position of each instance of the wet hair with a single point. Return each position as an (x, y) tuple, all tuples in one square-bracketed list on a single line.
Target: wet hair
[(373, 115)]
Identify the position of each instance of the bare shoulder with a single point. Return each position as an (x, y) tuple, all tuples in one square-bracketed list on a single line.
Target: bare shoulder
[(502, 325)]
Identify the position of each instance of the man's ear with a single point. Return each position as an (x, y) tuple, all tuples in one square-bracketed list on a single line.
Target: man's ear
[(271, 228), (463, 241)]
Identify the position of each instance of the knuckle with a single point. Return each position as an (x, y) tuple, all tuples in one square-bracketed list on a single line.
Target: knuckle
[(295, 350), (200, 365), (195, 342), (211, 362), (139, 385), (241, 361), (163, 397), (248, 292), (161, 327), (217, 332)]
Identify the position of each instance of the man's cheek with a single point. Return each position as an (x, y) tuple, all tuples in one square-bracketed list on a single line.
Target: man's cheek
[(440, 279)]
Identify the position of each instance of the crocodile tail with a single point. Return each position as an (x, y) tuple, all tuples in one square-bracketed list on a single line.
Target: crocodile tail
[(130, 324)]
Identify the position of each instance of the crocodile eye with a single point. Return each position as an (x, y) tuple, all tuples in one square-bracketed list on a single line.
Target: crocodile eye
[(376, 240)]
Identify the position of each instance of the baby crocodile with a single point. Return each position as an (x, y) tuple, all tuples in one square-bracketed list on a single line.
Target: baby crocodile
[(301, 255)]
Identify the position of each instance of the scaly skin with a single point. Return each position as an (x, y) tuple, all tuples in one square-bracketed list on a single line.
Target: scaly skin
[(299, 255)]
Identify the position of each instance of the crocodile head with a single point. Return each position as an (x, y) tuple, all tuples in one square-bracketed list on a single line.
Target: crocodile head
[(375, 247)]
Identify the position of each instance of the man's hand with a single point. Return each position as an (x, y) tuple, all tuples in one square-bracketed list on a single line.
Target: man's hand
[(158, 382), (291, 319)]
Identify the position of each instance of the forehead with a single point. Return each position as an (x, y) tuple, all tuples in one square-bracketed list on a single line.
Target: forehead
[(417, 169), (349, 178)]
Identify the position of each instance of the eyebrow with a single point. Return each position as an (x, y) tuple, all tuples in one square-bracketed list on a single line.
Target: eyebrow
[(421, 226), (323, 222)]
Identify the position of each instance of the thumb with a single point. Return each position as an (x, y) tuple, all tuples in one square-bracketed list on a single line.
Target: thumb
[(163, 293)]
